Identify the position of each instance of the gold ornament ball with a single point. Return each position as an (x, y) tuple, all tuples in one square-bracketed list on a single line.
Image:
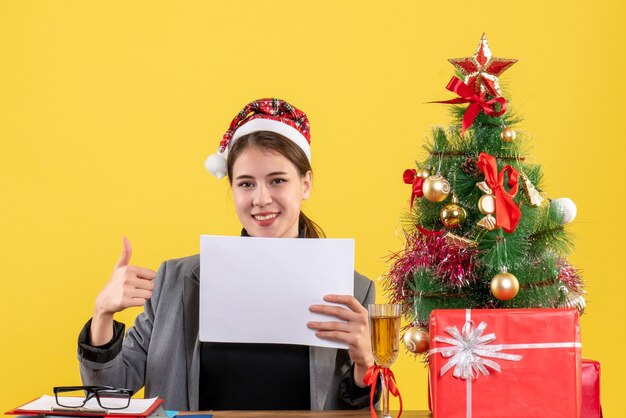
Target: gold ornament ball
[(507, 135), (504, 286), (453, 215), (423, 173), (577, 301), (436, 188), (487, 204), (573, 300), (416, 340)]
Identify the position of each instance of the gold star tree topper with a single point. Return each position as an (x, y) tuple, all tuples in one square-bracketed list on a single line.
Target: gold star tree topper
[(482, 70)]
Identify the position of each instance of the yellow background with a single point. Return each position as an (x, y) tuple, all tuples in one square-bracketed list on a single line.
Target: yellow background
[(108, 110)]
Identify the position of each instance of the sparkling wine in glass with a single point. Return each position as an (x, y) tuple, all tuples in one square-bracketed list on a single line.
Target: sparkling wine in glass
[(385, 334)]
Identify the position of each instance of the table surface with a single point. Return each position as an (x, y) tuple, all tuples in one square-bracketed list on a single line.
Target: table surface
[(309, 414)]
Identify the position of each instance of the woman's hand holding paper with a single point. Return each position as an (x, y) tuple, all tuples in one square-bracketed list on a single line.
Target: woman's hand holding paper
[(354, 331)]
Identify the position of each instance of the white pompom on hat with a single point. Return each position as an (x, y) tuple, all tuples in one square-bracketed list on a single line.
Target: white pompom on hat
[(272, 115)]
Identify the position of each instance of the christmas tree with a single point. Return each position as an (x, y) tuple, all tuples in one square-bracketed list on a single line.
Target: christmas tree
[(480, 233)]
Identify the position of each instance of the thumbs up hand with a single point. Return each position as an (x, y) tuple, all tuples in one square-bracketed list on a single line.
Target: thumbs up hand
[(128, 286)]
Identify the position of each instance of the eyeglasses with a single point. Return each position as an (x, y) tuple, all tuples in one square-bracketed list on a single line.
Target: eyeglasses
[(107, 397)]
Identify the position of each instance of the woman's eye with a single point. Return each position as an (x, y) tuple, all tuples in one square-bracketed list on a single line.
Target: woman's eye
[(279, 180), (245, 184)]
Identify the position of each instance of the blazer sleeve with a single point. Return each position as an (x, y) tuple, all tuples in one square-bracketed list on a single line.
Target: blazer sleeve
[(351, 395), (122, 361)]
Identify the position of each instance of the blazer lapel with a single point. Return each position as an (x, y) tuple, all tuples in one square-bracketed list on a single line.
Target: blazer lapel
[(321, 368), (191, 311)]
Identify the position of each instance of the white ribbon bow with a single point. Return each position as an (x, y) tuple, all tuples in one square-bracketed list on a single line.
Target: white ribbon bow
[(470, 352)]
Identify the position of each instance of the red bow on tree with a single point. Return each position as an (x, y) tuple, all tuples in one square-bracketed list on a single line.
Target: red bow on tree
[(477, 102), (410, 177), (508, 213), (370, 379)]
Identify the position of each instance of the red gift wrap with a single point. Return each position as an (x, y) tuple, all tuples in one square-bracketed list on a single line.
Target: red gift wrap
[(591, 389), (513, 363)]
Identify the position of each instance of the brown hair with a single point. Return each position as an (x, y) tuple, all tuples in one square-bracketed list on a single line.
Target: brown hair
[(279, 144)]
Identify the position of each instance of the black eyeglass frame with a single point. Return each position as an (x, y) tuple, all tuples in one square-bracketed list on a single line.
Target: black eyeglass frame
[(92, 392)]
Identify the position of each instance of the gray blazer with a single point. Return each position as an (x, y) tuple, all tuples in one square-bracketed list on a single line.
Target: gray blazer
[(162, 350)]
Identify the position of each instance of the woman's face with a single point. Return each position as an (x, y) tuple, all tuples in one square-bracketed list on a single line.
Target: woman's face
[(268, 192)]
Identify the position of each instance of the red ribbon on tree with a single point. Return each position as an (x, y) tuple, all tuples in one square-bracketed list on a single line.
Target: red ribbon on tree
[(430, 233), (477, 102), (410, 177), (508, 213), (370, 379)]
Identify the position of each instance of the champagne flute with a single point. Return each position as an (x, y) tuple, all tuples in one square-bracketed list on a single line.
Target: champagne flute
[(385, 334)]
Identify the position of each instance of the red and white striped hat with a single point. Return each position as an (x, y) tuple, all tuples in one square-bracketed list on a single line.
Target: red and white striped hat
[(273, 115)]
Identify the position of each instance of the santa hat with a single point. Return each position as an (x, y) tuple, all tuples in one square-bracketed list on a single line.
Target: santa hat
[(273, 115)]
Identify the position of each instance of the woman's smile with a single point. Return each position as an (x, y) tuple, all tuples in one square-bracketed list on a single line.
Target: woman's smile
[(265, 218)]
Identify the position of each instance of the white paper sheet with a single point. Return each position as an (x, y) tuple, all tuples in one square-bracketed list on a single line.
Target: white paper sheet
[(47, 403), (258, 290)]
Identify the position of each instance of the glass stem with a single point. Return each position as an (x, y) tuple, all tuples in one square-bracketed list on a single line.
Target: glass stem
[(384, 397)]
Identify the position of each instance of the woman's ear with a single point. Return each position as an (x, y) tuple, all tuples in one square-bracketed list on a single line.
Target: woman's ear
[(307, 184)]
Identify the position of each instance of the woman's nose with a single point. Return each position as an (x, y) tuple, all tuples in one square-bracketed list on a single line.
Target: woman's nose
[(262, 196)]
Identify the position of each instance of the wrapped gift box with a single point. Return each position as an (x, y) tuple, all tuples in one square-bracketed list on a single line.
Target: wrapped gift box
[(505, 363), (590, 407)]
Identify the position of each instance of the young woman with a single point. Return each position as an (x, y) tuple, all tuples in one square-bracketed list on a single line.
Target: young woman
[(266, 155)]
